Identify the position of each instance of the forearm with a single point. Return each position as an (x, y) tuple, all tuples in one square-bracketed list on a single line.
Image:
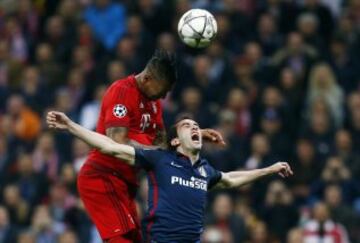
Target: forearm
[(136, 144), (239, 178), (103, 143)]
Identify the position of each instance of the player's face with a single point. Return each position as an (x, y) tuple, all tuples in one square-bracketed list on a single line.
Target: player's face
[(189, 135), (155, 89)]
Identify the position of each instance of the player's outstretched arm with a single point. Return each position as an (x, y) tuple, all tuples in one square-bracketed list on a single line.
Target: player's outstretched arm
[(106, 145), (239, 178)]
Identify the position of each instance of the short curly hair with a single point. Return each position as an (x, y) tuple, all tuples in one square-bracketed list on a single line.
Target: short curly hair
[(163, 65)]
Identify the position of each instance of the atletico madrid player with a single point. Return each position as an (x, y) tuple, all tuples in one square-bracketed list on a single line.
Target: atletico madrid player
[(130, 113), (178, 178)]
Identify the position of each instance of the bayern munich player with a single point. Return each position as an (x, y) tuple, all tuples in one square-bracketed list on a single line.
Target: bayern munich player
[(130, 113)]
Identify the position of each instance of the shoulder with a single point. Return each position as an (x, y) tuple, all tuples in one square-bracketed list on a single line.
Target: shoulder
[(153, 152), (123, 87), (205, 163), (124, 83), (162, 152)]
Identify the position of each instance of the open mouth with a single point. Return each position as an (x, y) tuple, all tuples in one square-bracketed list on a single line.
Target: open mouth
[(195, 137)]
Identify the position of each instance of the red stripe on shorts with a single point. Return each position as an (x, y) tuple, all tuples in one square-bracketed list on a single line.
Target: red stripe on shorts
[(114, 200)]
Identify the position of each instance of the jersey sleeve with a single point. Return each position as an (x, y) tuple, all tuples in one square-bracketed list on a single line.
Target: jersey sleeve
[(147, 158), (214, 176), (118, 106)]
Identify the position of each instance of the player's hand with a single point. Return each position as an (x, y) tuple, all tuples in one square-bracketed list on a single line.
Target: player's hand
[(213, 136), (282, 169), (57, 120)]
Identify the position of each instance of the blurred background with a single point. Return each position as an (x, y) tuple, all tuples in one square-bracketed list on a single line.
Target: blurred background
[(281, 82)]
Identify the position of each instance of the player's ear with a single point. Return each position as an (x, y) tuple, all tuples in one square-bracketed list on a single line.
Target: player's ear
[(147, 78), (175, 142)]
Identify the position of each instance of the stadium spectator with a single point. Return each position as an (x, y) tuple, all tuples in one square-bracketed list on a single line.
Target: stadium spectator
[(224, 220), (296, 55), (26, 237), (19, 209), (33, 89), (107, 20), (80, 151), (68, 237), (339, 211), (237, 103), (343, 63), (115, 71), (90, 110), (319, 128), (267, 34), (68, 177), (306, 167), (25, 123), (279, 213), (45, 157), (322, 227), (323, 85), (213, 234), (43, 226), (192, 104), (308, 27), (271, 126), (345, 150), (322, 12), (336, 172), (51, 71), (259, 233), (7, 231), (295, 236), (33, 186), (55, 35)]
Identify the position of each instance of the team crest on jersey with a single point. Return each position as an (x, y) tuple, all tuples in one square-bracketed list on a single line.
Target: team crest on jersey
[(202, 171), (119, 111)]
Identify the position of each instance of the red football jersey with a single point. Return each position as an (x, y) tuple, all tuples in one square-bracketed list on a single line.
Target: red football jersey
[(125, 106)]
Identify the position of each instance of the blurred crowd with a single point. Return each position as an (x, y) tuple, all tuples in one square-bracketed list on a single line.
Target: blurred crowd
[(280, 82)]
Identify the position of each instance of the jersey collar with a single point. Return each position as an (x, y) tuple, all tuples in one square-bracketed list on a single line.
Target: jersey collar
[(182, 156)]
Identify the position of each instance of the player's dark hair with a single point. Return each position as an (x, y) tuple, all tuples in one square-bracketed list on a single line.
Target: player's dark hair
[(163, 66), (172, 133)]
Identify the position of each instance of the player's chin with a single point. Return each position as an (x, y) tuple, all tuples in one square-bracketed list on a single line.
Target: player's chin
[(154, 96), (196, 145)]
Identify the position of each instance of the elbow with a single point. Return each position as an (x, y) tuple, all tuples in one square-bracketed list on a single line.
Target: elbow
[(107, 150)]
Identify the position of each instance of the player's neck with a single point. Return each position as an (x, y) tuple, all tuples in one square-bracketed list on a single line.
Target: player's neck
[(192, 155), (138, 78)]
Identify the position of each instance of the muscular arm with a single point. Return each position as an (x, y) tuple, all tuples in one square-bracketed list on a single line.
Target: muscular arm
[(105, 144), (239, 178), (119, 135)]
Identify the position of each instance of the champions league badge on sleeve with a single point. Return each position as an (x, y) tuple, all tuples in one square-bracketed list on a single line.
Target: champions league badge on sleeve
[(119, 111)]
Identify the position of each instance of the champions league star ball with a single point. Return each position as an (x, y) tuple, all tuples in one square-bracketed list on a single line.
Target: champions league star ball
[(197, 28)]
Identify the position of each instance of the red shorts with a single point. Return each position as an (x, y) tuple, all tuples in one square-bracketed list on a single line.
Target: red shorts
[(109, 201)]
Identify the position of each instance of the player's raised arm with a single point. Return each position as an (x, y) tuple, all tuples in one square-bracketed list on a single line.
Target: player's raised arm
[(105, 144), (239, 178)]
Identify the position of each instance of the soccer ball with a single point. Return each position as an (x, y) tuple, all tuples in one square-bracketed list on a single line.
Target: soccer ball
[(197, 28)]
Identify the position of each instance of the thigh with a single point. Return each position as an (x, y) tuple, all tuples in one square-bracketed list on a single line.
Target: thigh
[(106, 203)]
